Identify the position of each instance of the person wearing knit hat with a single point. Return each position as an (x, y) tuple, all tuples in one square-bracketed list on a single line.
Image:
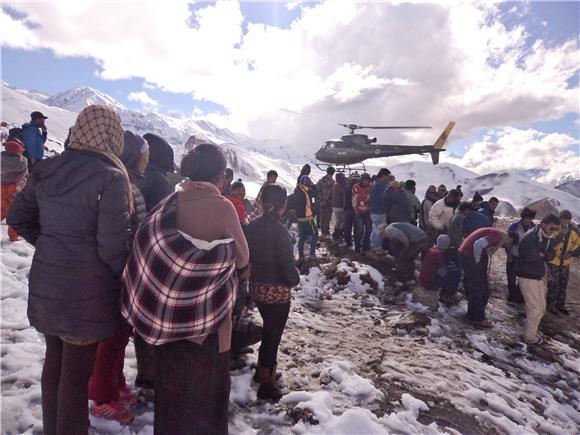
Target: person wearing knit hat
[(14, 174), (107, 387), (75, 210), (439, 272)]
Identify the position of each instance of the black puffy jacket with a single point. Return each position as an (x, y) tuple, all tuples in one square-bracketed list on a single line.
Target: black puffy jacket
[(530, 264), (271, 252), (74, 210)]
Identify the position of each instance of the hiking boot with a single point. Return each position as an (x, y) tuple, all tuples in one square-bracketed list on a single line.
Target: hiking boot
[(113, 411), (269, 389), (480, 324), (450, 301), (126, 396), (552, 309), (539, 340), (563, 310)]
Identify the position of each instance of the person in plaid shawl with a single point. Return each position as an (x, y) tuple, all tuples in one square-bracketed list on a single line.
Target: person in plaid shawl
[(180, 287)]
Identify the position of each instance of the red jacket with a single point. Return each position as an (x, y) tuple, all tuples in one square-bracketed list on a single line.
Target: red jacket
[(240, 208), (433, 261), (360, 198)]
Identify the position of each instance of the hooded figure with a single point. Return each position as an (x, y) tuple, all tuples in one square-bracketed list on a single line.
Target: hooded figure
[(14, 174), (155, 184), (75, 210)]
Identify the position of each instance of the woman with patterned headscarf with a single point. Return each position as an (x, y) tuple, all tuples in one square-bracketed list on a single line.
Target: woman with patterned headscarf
[(75, 209)]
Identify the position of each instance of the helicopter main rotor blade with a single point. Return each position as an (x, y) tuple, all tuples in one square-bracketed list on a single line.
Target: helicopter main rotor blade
[(393, 127)]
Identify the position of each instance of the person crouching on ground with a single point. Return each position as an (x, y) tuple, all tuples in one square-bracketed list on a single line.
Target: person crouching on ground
[(406, 242), (76, 210), (439, 271), (179, 294), (536, 249), (307, 228), (107, 387), (567, 247), (474, 254), (14, 173), (273, 275)]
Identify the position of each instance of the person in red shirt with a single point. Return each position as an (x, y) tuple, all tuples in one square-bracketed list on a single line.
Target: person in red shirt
[(363, 225), (440, 272), (474, 255), (236, 197)]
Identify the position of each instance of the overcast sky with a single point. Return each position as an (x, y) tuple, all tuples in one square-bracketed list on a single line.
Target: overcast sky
[(507, 73)]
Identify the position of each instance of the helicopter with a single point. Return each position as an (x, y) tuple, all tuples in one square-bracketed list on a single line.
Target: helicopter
[(354, 148)]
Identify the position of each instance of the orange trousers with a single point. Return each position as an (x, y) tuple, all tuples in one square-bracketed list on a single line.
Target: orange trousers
[(8, 193)]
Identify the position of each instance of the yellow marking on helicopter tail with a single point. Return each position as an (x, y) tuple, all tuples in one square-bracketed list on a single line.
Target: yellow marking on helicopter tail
[(443, 138)]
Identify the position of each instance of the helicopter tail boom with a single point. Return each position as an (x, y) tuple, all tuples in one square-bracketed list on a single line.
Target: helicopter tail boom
[(443, 137)]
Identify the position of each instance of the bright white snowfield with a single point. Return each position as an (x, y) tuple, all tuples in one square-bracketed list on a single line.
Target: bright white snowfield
[(354, 360)]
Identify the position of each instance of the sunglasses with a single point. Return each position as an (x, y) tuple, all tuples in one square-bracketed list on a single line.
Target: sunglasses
[(551, 228)]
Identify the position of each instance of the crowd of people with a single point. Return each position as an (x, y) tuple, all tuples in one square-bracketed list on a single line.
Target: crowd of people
[(120, 253)]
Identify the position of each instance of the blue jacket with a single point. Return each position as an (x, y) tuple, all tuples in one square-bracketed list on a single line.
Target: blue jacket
[(376, 203), (474, 221), (34, 140)]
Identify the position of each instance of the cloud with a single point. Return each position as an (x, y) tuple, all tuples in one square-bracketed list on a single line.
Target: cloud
[(512, 149), (361, 62), (143, 98)]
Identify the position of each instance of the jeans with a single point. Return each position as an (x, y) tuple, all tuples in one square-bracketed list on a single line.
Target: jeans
[(363, 227), (376, 239), (307, 230), (65, 382), (476, 285), (107, 377), (192, 388), (274, 317)]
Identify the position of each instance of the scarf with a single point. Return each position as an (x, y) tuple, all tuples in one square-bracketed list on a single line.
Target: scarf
[(98, 129)]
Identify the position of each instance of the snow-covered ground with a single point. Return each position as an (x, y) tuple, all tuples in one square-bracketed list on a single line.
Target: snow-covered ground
[(357, 357)]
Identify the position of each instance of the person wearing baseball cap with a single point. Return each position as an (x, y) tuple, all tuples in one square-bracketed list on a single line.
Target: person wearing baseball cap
[(34, 137)]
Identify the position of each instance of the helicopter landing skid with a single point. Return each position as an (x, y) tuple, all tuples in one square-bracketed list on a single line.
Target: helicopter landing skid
[(346, 169)]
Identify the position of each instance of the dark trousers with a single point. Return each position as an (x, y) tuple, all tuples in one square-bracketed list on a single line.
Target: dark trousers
[(65, 383), (324, 217), (107, 377), (558, 277), (449, 283), (192, 388), (274, 317), (406, 257), (348, 224), (476, 285), (145, 356), (363, 227), (514, 292)]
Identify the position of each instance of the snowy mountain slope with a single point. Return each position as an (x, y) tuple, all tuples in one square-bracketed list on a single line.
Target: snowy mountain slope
[(76, 99), (520, 191), (571, 187), (16, 109), (252, 158)]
